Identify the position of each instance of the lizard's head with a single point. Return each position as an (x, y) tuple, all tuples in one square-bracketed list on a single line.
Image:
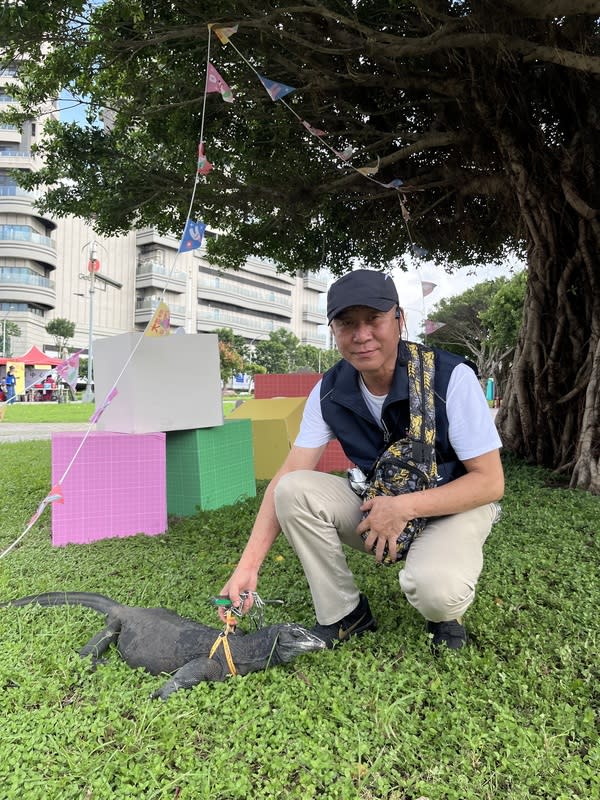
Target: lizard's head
[(293, 640)]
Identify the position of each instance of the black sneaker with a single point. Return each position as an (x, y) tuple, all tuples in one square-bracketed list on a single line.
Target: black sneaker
[(451, 633), (353, 624)]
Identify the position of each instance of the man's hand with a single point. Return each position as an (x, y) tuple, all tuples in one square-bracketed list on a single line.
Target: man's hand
[(385, 521), (242, 580)]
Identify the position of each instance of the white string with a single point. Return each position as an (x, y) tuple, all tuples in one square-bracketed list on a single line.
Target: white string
[(137, 344)]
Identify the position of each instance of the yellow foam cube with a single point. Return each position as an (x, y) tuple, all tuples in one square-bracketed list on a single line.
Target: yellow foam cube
[(275, 425)]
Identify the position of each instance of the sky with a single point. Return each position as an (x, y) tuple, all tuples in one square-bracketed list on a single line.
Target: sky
[(417, 307)]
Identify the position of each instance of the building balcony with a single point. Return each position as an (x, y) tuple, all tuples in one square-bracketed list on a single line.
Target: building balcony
[(27, 245), (16, 159), (246, 297), (246, 325), (33, 289), (268, 270), (314, 314), (14, 200), (10, 134), (153, 275), (316, 281), (149, 236)]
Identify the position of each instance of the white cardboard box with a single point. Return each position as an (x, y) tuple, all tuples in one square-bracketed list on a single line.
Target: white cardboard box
[(171, 383)]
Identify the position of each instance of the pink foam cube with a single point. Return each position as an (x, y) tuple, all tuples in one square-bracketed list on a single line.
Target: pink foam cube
[(115, 486)]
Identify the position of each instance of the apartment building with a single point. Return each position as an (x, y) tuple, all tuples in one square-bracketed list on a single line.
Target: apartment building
[(46, 272)]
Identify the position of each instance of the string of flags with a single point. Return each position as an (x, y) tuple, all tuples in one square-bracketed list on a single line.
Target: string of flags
[(277, 91), (194, 230)]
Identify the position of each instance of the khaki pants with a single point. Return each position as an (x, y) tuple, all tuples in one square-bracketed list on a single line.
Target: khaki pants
[(319, 512)]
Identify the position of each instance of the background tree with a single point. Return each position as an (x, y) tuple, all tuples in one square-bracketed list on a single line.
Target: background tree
[(230, 361), (61, 330), (278, 353), (237, 343), (487, 112), (9, 331), (483, 324)]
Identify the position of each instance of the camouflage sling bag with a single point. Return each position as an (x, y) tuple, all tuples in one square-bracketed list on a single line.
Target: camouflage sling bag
[(409, 465)]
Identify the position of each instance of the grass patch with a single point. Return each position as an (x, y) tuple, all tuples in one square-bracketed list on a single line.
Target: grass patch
[(22, 413), (514, 716)]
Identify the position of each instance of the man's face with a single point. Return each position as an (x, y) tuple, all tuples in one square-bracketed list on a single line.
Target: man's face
[(367, 338)]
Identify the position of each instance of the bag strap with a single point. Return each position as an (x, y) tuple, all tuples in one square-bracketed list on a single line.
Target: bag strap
[(421, 374)]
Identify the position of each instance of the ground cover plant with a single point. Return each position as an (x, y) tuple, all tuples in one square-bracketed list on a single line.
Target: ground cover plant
[(514, 716)]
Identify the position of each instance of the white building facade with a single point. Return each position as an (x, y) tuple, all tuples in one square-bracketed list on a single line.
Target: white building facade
[(44, 274)]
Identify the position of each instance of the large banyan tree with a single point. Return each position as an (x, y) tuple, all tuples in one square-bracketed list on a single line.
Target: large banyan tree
[(487, 111)]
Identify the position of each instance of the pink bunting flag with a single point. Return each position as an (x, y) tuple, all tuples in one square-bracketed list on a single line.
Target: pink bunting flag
[(314, 131), (223, 33), (276, 90), (215, 83), (68, 370), (192, 236), (432, 327), (204, 165), (99, 411), (427, 287)]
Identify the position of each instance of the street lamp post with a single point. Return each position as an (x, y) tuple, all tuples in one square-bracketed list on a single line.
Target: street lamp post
[(88, 395)]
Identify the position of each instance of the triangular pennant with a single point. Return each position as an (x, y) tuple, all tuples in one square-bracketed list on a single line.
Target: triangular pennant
[(68, 370), (276, 90), (222, 32), (56, 494), (345, 154), (204, 165), (160, 324), (432, 327), (369, 170), (314, 131), (393, 184), (215, 83), (427, 287), (192, 236)]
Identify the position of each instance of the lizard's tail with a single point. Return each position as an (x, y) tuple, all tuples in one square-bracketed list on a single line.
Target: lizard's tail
[(96, 601)]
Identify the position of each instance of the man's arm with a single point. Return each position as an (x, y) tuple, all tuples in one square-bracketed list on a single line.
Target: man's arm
[(266, 528), (388, 516)]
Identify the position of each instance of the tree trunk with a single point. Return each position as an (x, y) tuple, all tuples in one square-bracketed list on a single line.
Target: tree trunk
[(551, 411)]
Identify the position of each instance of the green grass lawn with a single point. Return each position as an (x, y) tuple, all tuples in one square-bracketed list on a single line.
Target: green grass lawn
[(513, 716), (68, 412), (48, 412)]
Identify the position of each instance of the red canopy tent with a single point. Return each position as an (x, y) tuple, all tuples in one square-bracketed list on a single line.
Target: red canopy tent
[(33, 357)]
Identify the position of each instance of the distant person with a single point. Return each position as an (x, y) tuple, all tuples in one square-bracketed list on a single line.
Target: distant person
[(11, 385)]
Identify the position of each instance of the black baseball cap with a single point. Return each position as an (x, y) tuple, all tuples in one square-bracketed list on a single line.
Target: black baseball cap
[(363, 287)]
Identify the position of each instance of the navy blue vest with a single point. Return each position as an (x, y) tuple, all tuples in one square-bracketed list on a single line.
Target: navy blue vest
[(361, 438)]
